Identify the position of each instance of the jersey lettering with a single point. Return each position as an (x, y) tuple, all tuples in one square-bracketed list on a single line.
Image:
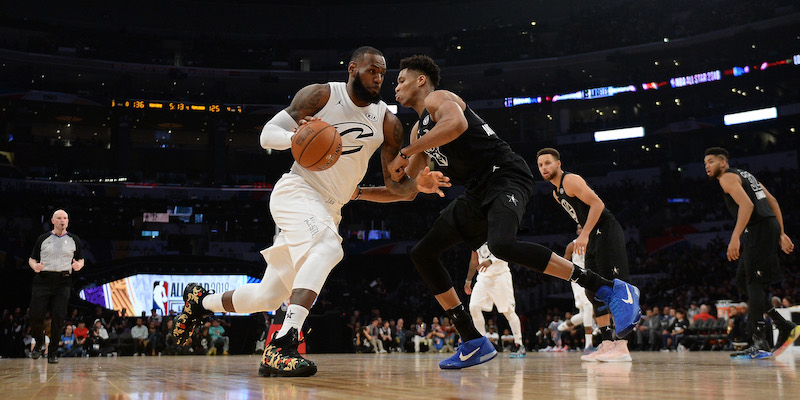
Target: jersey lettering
[(755, 186), (568, 208), (357, 131), (435, 153)]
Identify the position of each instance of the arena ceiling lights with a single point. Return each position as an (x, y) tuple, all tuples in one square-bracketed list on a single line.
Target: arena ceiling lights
[(618, 134), (751, 116)]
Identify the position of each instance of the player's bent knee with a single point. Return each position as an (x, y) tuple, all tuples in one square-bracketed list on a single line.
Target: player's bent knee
[(501, 249)]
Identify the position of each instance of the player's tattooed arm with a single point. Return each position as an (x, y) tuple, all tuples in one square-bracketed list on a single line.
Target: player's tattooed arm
[(309, 101), (424, 180)]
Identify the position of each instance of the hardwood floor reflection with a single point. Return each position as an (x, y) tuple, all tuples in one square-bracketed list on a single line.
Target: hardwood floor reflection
[(691, 375)]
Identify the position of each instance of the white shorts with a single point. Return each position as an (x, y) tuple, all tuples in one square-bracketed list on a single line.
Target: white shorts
[(492, 290), (581, 301), (301, 214)]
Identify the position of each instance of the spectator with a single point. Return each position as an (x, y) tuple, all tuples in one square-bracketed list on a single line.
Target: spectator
[(217, 337), (704, 314), (507, 340), (671, 339), (139, 334), (402, 335), (153, 341), (436, 335), (494, 338), (420, 333), (67, 346), (385, 336)]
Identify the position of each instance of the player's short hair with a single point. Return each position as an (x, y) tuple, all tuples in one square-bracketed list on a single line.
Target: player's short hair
[(717, 151), (361, 51), (423, 64), (549, 150)]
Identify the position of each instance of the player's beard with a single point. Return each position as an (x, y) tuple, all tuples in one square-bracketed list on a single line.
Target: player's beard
[(362, 93)]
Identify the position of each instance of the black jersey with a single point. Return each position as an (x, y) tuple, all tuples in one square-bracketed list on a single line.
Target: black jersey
[(471, 156), (755, 192), (577, 209)]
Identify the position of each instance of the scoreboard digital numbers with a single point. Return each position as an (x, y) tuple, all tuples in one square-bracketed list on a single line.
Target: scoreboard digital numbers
[(176, 106)]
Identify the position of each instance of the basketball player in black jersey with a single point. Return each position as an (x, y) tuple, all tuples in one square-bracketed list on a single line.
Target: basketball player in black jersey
[(601, 241), (498, 186), (755, 241)]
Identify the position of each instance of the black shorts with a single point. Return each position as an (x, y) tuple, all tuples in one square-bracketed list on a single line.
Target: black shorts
[(758, 257), (606, 253), (508, 189)]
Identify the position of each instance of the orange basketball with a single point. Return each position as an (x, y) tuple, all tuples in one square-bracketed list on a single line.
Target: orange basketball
[(316, 145)]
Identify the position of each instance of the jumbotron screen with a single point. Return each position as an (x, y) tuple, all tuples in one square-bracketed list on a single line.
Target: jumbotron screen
[(145, 292)]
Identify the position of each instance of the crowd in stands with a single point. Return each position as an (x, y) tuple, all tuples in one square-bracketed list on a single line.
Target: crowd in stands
[(110, 333)]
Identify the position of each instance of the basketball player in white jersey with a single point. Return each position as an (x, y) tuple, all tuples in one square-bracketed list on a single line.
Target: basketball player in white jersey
[(306, 206), (494, 287), (585, 313)]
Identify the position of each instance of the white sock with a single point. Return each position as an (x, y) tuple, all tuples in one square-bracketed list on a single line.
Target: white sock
[(213, 302), (588, 340), (295, 317)]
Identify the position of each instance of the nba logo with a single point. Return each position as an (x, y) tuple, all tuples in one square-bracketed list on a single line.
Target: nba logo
[(160, 298)]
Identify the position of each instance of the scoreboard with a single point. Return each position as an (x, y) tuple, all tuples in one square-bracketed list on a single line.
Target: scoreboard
[(179, 106)]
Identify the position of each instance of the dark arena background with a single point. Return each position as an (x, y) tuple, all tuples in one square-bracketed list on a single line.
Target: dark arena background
[(141, 120)]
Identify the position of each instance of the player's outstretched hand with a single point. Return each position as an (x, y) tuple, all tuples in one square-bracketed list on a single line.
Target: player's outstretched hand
[(786, 244), (431, 181)]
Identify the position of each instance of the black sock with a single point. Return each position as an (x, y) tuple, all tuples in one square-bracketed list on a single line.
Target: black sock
[(607, 332), (463, 322), (588, 279), (778, 319)]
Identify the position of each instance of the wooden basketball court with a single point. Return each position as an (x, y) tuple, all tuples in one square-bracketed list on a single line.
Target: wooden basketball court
[(687, 375)]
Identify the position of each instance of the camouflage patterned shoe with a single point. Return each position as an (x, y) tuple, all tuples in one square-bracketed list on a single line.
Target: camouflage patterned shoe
[(192, 314), (282, 359)]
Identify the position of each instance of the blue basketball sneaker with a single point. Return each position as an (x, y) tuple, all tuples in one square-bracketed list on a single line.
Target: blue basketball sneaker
[(472, 352), (623, 301)]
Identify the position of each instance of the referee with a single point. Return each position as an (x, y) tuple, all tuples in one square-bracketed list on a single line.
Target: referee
[(55, 255)]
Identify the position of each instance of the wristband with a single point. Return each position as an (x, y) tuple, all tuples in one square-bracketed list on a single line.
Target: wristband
[(403, 155), (358, 196)]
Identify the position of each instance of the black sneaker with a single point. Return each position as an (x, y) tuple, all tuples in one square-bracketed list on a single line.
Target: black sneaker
[(192, 314), (282, 359), (52, 360), (35, 354), (759, 349)]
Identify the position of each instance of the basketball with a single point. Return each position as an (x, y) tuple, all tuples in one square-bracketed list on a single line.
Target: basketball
[(316, 145)]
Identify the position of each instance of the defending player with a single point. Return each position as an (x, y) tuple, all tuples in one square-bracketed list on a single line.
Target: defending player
[(498, 186)]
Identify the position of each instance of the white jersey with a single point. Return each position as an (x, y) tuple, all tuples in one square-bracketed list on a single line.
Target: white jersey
[(361, 129), (498, 266)]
